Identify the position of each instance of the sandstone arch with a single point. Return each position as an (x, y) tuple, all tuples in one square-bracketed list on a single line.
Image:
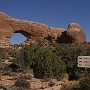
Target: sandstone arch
[(18, 38), (33, 30), (9, 26), (23, 33)]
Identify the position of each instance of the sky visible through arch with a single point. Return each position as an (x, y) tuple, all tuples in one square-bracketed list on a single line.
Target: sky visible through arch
[(17, 38), (54, 13)]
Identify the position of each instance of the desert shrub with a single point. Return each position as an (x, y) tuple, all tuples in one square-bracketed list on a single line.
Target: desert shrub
[(25, 76), (46, 79), (69, 55), (48, 65), (22, 83), (3, 66), (11, 60), (29, 54), (13, 66), (72, 85), (13, 74), (3, 53), (6, 72), (3, 87), (14, 88), (87, 53), (51, 83), (24, 57), (17, 88), (65, 79), (85, 82)]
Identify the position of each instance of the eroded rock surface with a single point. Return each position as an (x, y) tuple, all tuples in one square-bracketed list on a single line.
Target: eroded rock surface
[(34, 30), (75, 33)]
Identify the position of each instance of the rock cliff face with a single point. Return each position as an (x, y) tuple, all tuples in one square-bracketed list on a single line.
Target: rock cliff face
[(33, 30)]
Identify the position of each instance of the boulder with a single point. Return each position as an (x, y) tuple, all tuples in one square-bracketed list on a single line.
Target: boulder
[(75, 33)]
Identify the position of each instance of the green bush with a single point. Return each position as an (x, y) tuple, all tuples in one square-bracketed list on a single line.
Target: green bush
[(24, 57), (48, 65), (69, 55)]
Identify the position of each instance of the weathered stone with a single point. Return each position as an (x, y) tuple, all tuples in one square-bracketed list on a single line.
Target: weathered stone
[(55, 33), (75, 33), (58, 35), (34, 30), (9, 26)]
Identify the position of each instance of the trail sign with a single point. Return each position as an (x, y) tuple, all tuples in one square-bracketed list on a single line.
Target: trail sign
[(84, 61)]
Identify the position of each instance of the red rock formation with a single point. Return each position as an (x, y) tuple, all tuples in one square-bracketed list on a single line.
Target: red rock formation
[(55, 33), (34, 30), (75, 33), (9, 26)]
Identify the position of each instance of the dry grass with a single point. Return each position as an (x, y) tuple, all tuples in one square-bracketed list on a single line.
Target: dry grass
[(70, 84)]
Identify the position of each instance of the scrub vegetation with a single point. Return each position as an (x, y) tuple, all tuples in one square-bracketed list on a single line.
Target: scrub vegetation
[(53, 61)]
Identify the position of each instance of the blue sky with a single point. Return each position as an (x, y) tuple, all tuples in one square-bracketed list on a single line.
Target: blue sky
[(54, 13)]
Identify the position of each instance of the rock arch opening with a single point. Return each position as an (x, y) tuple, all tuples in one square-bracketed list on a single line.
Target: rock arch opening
[(19, 37)]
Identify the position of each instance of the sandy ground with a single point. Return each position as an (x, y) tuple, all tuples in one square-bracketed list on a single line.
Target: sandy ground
[(36, 84), (7, 80)]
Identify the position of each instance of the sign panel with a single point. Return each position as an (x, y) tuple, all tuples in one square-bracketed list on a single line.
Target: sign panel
[(84, 61)]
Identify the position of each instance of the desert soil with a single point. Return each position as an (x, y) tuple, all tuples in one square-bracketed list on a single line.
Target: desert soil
[(36, 84)]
